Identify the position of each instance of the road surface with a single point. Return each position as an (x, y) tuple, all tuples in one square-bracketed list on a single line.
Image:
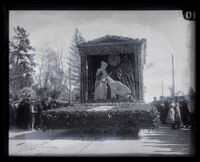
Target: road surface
[(163, 142)]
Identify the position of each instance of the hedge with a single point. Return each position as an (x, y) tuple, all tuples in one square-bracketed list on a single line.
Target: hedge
[(117, 120)]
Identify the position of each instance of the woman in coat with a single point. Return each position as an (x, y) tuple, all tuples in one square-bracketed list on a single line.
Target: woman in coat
[(178, 121), (101, 82), (171, 116)]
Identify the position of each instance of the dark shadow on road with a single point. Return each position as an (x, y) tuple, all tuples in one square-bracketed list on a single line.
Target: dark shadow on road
[(165, 137), (176, 140), (71, 135)]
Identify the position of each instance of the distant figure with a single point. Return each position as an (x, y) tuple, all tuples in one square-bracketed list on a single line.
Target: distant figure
[(37, 115), (185, 112), (23, 117), (101, 82), (178, 121), (167, 107), (154, 103), (162, 112), (118, 89), (171, 116), (191, 122), (33, 111), (11, 113)]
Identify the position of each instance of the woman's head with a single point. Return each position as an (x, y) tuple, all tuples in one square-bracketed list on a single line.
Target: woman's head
[(104, 64)]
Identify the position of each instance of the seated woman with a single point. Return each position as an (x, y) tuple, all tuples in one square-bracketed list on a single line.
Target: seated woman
[(101, 82)]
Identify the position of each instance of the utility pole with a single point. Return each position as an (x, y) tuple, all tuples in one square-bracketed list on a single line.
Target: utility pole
[(162, 87), (173, 83), (69, 77)]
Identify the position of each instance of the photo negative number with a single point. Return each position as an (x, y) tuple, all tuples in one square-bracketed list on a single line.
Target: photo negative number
[(189, 15)]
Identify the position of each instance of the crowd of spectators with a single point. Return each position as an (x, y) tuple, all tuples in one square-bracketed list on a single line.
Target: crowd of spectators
[(177, 111), (26, 115)]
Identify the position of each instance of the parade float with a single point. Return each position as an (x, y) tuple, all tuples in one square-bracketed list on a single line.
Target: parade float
[(111, 90)]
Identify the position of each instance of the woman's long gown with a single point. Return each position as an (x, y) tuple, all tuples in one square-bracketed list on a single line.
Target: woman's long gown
[(101, 85)]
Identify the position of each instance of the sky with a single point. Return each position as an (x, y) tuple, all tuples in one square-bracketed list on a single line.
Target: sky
[(166, 33)]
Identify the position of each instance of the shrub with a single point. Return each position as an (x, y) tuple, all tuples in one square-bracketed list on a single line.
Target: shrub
[(27, 94), (118, 120)]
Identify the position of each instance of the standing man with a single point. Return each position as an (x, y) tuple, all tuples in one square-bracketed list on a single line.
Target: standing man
[(162, 112), (39, 111), (185, 113), (178, 119), (33, 115), (191, 107), (155, 103)]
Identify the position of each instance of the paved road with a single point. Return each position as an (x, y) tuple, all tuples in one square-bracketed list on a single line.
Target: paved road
[(164, 142)]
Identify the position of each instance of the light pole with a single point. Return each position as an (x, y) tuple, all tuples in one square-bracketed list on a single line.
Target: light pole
[(162, 87), (69, 79), (173, 82)]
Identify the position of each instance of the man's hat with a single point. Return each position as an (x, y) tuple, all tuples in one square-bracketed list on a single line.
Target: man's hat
[(172, 104)]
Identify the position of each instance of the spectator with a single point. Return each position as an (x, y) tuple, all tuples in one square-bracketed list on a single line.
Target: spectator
[(45, 104), (167, 107), (191, 106), (154, 101), (33, 111), (162, 112), (37, 115), (11, 113), (185, 113), (171, 116), (23, 115), (178, 121)]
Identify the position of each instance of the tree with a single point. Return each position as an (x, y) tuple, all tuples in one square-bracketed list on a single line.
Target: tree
[(21, 62), (27, 94), (51, 75), (149, 65), (74, 60), (179, 93)]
